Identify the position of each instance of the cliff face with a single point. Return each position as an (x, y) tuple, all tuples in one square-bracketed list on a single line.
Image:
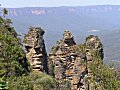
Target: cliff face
[(35, 47), (72, 63)]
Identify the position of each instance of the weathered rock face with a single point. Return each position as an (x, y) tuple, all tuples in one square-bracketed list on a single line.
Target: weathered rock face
[(68, 62), (72, 62), (35, 47), (93, 43), (94, 48)]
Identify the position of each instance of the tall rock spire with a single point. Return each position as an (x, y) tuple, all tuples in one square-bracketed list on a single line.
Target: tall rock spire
[(35, 47), (94, 56), (93, 44), (67, 60)]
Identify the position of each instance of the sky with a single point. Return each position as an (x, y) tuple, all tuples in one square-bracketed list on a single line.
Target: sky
[(55, 3)]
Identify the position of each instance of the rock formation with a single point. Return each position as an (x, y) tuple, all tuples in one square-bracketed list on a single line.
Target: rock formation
[(93, 43), (71, 62), (35, 47), (94, 48), (67, 60)]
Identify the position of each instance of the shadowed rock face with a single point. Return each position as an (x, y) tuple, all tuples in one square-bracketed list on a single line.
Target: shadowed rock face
[(93, 43), (68, 38), (35, 47)]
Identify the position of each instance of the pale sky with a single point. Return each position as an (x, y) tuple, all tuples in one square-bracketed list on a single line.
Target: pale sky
[(54, 3)]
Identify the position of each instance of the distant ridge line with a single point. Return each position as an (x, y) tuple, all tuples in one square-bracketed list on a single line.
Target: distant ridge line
[(58, 6)]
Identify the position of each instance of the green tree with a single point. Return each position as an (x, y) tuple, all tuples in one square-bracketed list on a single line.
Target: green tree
[(12, 56), (5, 12), (103, 77), (34, 81)]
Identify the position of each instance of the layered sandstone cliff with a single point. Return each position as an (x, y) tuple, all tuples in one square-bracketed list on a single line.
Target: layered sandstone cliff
[(35, 47)]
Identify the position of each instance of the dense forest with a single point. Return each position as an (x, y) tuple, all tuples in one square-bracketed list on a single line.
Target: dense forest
[(16, 72)]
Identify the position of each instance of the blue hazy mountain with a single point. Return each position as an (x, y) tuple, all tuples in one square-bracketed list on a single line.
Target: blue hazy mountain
[(101, 20)]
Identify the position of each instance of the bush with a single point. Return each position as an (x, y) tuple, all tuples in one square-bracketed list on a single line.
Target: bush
[(3, 84), (103, 77), (34, 81)]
